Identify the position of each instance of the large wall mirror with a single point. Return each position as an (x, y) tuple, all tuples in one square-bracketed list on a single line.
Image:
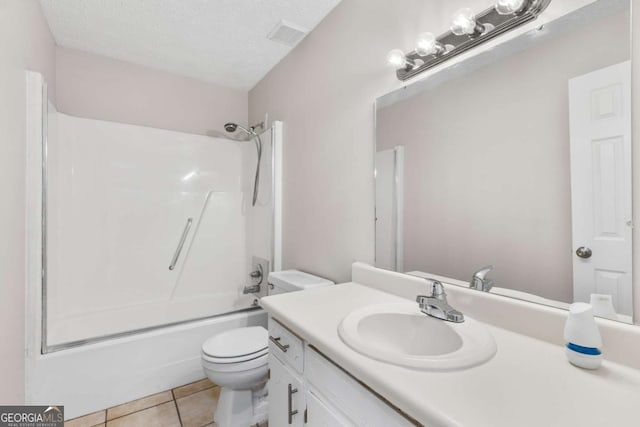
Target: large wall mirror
[(518, 157)]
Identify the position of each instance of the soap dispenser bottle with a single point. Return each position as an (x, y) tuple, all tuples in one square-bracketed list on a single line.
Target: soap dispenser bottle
[(582, 337)]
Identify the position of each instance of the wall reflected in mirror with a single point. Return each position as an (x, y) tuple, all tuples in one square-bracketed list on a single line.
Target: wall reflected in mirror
[(519, 158)]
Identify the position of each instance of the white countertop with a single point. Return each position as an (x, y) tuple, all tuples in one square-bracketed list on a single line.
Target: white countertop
[(528, 383)]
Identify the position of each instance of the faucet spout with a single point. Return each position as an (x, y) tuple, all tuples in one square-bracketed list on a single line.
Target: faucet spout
[(480, 282), (436, 305), (251, 289)]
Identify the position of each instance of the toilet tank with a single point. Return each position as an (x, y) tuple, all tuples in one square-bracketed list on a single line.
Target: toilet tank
[(294, 280)]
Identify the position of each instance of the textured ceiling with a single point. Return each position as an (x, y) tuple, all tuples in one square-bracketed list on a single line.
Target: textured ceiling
[(218, 41)]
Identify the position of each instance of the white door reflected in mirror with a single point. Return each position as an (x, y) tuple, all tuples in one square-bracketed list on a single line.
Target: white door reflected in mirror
[(600, 129)]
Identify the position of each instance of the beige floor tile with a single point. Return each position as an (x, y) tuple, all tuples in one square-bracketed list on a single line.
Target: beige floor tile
[(195, 387), (196, 410), (87, 420), (164, 415), (138, 405)]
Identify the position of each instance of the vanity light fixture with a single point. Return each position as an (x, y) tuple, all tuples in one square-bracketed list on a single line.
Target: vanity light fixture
[(467, 31), (427, 44), (398, 59), (464, 22), (506, 7)]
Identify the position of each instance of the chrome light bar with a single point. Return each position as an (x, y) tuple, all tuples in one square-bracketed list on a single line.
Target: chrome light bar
[(470, 31)]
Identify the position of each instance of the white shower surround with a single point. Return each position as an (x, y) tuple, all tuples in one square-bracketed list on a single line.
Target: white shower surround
[(119, 199), (103, 374)]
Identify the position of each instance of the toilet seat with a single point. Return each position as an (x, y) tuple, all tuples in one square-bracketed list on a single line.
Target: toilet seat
[(214, 364), (236, 350), (237, 359)]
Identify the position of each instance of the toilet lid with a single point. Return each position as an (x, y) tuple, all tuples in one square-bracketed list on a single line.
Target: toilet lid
[(237, 343)]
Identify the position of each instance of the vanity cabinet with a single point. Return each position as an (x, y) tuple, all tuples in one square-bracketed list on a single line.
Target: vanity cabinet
[(286, 396), (286, 391), (320, 415), (307, 389)]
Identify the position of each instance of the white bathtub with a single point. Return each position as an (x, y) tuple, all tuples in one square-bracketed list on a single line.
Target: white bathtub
[(97, 376)]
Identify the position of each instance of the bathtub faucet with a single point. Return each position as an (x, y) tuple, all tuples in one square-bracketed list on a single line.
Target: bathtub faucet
[(256, 278), (251, 289)]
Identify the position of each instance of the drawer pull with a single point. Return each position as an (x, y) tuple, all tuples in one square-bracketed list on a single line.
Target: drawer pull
[(276, 341), (291, 412)]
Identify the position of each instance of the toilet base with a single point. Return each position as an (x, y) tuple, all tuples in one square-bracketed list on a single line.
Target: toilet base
[(241, 408)]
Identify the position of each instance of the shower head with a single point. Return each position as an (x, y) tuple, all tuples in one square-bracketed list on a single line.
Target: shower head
[(252, 135), (232, 127)]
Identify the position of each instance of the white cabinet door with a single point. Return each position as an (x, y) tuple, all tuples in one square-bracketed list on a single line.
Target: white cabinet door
[(341, 391), (320, 415), (286, 397)]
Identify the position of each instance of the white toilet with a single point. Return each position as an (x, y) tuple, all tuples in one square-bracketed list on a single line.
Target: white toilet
[(237, 359)]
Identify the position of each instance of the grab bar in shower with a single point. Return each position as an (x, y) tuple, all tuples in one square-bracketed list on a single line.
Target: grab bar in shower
[(196, 228), (183, 238)]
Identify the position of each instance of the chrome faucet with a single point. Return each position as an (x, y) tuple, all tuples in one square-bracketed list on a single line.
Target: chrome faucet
[(257, 274), (436, 305), (251, 289), (256, 277), (479, 280)]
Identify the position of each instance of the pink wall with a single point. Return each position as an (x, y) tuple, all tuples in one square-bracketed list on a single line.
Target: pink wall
[(324, 92), (25, 43), (97, 87)]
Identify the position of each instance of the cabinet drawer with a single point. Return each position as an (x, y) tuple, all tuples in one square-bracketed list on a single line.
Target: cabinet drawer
[(346, 394), (286, 346)]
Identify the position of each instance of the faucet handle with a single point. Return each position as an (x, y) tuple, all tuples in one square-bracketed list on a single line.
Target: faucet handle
[(257, 275), (481, 274)]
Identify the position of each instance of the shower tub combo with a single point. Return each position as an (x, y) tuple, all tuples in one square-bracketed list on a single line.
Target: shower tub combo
[(140, 242)]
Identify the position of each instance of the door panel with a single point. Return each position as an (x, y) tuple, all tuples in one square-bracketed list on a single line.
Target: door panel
[(600, 134)]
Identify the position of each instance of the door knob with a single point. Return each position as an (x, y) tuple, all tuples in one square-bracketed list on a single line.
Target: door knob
[(584, 252)]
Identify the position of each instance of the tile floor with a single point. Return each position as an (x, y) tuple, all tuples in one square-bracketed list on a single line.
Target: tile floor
[(191, 405)]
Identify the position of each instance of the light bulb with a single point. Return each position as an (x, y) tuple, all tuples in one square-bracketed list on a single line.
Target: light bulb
[(507, 7), (463, 22), (396, 58), (427, 44)]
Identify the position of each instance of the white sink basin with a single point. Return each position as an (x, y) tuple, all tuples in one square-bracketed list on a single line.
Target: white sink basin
[(402, 335)]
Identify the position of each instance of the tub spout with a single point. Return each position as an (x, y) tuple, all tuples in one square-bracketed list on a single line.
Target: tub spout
[(251, 289)]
